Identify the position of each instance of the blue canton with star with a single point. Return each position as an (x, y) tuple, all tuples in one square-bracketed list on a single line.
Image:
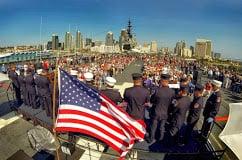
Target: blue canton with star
[(75, 92)]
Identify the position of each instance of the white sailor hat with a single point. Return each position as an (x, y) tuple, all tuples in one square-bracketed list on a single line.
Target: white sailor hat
[(217, 83), (74, 72), (110, 81), (39, 71), (88, 76)]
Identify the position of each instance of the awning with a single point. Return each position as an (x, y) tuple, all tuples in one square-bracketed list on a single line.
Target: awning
[(232, 132)]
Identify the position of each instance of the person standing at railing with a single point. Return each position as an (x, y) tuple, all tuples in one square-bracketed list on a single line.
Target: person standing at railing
[(31, 90), (44, 91), (211, 109), (22, 83), (14, 77)]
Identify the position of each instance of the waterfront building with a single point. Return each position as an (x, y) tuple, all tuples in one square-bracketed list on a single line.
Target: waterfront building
[(55, 42), (109, 39), (179, 47), (203, 48), (68, 41), (79, 43), (153, 47), (186, 52)]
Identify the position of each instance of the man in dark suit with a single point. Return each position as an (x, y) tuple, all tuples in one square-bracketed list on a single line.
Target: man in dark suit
[(44, 92), (161, 101), (136, 97), (31, 91), (110, 92), (22, 83), (15, 83)]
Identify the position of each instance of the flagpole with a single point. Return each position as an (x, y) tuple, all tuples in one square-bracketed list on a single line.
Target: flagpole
[(54, 104)]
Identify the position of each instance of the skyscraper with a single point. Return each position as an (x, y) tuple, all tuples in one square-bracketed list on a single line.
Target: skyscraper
[(78, 40), (123, 38), (49, 45), (55, 42), (68, 41), (179, 47), (192, 50), (217, 55), (153, 47), (203, 48), (209, 49), (88, 42), (109, 39), (186, 52)]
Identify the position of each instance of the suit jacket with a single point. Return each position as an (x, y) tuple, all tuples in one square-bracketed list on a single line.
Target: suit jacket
[(112, 94), (30, 85), (136, 97), (180, 110), (43, 85), (161, 101), (14, 77), (22, 83), (212, 105), (195, 109)]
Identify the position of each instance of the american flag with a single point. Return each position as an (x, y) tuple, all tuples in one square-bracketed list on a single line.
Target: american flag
[(85, 110)]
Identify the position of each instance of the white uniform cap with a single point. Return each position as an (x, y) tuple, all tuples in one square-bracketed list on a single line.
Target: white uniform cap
[(39, 71), (74, 72), (88, 76), (217, 83), (110, 81)]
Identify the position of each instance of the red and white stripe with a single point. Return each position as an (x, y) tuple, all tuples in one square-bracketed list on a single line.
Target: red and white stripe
[(111, 125)]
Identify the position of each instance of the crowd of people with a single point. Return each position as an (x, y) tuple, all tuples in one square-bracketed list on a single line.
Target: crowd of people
[(101, 66), (33, 82), (231, 80), (166, 95)]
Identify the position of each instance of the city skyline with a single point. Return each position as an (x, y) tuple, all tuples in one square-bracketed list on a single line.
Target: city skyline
[(164, 22)]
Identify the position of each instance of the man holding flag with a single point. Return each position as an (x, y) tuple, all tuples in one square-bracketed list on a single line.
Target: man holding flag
[(85, 110)]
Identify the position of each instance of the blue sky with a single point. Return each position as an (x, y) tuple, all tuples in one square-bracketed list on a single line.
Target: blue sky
[(164, 21)]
